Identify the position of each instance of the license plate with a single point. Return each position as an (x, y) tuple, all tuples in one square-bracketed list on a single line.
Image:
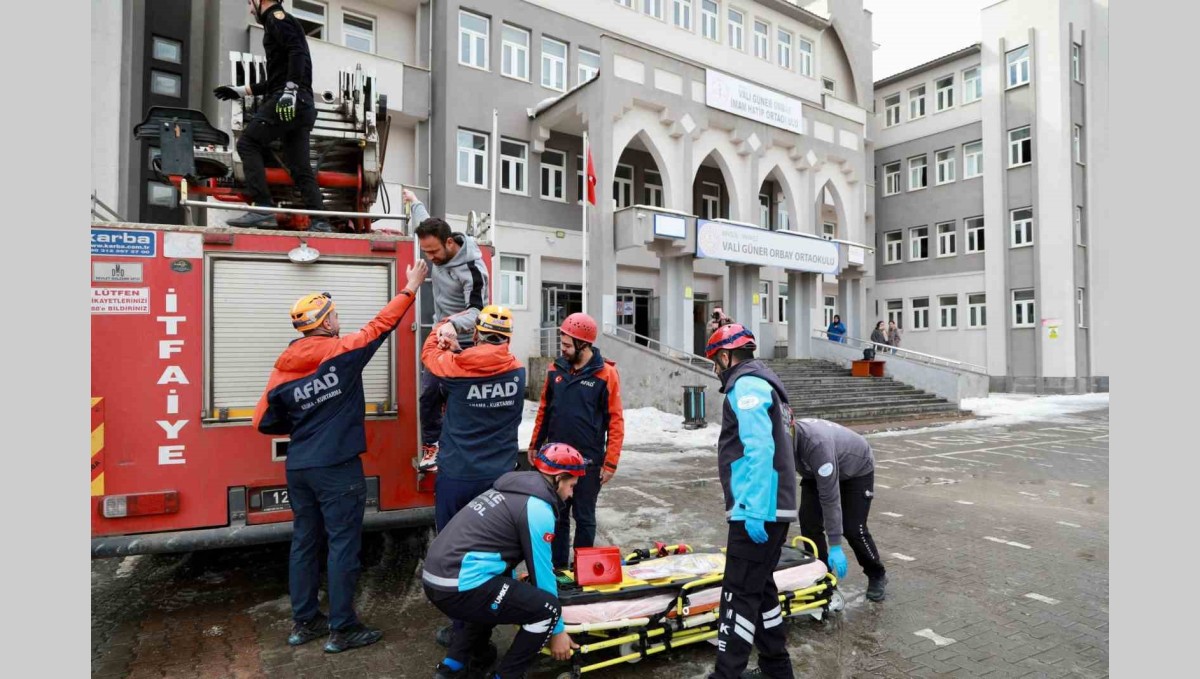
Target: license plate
[(274, 500)]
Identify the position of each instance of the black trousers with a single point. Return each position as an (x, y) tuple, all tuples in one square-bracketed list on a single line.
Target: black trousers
[(500, 601), (582, 506), (750, 614), (254, 144), (857, 494)]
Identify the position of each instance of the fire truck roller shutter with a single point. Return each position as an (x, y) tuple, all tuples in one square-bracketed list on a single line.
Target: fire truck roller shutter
[(250, 300)]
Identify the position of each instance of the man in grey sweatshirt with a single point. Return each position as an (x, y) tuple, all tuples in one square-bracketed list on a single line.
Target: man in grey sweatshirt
[(461, 289), (837, 483)]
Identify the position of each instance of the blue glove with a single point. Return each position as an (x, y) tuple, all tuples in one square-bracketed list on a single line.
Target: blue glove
[(837, 561), (757, 531)]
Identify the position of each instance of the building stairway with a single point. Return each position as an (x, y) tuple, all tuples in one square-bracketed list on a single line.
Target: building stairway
[(823, 389)]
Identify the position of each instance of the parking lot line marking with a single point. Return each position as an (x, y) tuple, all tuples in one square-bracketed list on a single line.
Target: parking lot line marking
[(964, 502), (1021, 492), (644, 494), (1043, 464), (1007, 542), (902, 557), (937, 639), (1069, 524), (1081, 485), (880, 485), (892, 514), (1044, 599)]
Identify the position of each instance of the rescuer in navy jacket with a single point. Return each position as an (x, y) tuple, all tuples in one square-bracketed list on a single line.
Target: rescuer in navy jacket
[(581, 406), (315, 395)]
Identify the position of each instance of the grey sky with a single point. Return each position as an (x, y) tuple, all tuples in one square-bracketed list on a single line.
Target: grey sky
[(911, 32)]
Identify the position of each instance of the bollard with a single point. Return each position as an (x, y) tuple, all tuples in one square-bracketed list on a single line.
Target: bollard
[(693, 407)]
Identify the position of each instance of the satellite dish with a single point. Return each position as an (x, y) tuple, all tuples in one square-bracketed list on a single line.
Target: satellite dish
[(472, 222)]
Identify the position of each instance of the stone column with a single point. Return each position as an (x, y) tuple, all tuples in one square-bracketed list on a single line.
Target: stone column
[(743, 285), (675, 275)]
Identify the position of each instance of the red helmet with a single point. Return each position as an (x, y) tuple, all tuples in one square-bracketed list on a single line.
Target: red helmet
[(580, 326), (558, 458), (731, 336)]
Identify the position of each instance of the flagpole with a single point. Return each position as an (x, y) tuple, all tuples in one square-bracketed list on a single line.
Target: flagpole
[(495, 226), (584, 199)]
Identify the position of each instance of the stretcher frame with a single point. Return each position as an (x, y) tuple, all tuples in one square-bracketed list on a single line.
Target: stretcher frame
[(680, 625)]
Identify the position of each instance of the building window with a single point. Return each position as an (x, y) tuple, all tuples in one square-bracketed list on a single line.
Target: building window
[(623, 186), (1080, 234), (948, 312), (891, 179), (512, 280), (358, 32), (514, 53), (918, 240), (514, 166), (916, 102), (972, 85), (1020, 147), (974, 234), (947, 234), (764, 301), (784, 43), (918, 175), (764, 210), (652, 8), (944, 93), (1079, 308), (891, 107), (1018, 66), (554, 64), (165, 84), (1077, 62), (588, 66), (311, 16), (652, 190), (806, 58), (920, 313), (782, 221), (710, 20), (781, 297), (893, 247), (830, 309), (829, 230), (895, 312), (973, 160), (165, 49), (736, 23), (762, 40), (710, 196), (944, 161), (553, 170), (681, 14), (473, 40), (1022, 227), (977, 310), (1077, 143), (472, 159), (1023, 308)]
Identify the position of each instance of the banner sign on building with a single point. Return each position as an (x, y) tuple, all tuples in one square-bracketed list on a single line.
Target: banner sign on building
[(748, 100), (750, 245), (670, 226)]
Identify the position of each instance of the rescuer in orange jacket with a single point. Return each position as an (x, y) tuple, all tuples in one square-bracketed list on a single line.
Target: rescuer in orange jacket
[(315, 395), (581, 406)]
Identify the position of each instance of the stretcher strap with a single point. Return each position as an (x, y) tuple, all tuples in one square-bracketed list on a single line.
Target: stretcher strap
[(787, 603), (668, 631), (643, 642)]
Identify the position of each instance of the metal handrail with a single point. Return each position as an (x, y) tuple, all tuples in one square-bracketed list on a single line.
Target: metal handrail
[(112, 215), (671, 352), (917, 356)]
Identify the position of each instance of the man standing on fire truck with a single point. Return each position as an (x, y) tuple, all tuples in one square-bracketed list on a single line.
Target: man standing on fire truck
[(315, 395), (287, 113)]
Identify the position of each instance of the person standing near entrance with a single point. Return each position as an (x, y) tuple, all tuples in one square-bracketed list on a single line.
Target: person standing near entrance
[(879, 336), (581, 406), (315, 395), (460, 292), (837, 483), (893, 335), (287, 113), (756, 464), (837, 330)]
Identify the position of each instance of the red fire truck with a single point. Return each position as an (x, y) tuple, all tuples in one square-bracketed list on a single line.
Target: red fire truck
[(186, 325)]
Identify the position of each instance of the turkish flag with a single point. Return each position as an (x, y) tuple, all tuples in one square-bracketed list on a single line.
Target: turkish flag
[(591, 179)]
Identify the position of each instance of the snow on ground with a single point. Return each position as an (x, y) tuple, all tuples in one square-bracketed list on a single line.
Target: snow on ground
[(1001, 410), (644, 427)]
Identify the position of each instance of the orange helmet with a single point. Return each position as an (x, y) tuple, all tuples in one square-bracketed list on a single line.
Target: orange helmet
[(729, 336), (559, 458), (311, 310), (580, 326)]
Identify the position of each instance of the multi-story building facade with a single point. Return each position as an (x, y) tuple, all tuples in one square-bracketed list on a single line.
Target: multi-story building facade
[(989, 234), (750, 113)]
